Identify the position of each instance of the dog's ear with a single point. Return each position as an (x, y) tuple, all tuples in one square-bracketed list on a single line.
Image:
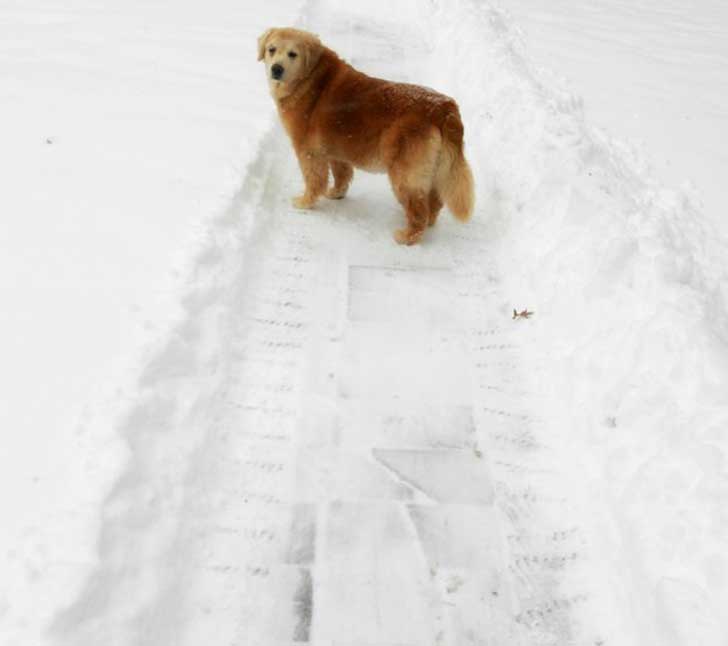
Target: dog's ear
[(262, 40), (312, 50)]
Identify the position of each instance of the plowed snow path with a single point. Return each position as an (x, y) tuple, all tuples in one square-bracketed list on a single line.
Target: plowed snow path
[(336, 445)]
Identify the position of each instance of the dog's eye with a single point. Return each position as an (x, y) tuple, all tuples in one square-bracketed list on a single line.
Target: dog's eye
[(271, 50), (292, 54)]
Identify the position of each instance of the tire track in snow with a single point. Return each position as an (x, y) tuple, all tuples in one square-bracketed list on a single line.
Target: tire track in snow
[(335, 446)]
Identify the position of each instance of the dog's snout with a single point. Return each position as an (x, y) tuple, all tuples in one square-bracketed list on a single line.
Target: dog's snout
[(276, 71)]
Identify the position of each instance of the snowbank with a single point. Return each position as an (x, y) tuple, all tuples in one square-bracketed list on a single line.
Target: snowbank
[(122, 127), (650, 72), (629, 343)]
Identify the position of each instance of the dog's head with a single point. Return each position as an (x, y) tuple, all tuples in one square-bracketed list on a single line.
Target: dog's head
[(289, 55)]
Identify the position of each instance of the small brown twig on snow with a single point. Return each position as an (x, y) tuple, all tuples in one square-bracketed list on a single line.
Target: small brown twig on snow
[(521, 315)]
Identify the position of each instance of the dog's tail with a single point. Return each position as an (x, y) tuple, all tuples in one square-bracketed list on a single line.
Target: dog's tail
[(454, 180)]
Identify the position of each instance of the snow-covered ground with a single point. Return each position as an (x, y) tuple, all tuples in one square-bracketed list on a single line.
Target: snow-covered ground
[(331, 433), (122, 123), (653, 73)]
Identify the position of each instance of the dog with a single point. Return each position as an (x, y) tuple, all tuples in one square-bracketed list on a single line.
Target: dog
[(338, 118)]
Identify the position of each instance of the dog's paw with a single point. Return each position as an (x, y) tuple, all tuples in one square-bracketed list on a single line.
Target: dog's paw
[(303, 202), (405, 236), (336, 193)]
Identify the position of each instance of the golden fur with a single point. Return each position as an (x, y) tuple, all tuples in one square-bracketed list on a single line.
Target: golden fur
[(339, 119)]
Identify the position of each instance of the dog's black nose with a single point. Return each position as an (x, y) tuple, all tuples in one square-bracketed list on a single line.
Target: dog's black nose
[(276, 71)]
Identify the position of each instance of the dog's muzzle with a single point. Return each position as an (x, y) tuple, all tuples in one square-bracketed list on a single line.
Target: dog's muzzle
[(277, 71)]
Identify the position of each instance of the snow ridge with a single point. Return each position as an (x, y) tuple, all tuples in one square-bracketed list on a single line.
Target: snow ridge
[(628, 345)]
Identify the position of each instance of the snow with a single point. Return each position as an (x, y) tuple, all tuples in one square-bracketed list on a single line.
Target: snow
[(334, 439), (651, 73), (122, 124)]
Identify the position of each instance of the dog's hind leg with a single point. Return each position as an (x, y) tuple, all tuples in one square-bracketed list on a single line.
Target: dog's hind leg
[(435, 205), (342, 173), (411, 173), (416, 210), (315, 170)]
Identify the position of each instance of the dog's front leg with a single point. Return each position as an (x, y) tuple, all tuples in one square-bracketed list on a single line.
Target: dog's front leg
[(315, 170)]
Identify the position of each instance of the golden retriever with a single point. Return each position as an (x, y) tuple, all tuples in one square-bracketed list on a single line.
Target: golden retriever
[(339, 118)]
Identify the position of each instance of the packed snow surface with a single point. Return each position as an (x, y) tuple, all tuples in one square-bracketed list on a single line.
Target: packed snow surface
[(339, 440)]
